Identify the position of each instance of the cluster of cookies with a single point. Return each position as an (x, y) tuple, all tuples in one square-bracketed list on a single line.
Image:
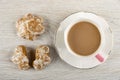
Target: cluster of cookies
[(29, 27)]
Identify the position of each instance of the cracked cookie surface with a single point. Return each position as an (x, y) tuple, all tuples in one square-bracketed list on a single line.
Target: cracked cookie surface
[(42, 57), (20, 57), (29, 27)]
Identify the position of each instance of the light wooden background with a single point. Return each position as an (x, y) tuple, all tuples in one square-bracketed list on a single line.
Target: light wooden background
[(54, 11)]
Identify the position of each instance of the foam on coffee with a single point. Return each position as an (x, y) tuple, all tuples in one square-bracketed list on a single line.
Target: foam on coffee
[(84, 38)]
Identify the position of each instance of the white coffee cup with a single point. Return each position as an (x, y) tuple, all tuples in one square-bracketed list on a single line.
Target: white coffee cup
[(96, 58)]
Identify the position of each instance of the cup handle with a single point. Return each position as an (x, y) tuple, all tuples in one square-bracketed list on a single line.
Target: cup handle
[(99, 58)]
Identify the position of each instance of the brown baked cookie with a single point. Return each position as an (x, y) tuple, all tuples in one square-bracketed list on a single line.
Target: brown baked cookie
[(29, 27), (42, 57), (20, 57)]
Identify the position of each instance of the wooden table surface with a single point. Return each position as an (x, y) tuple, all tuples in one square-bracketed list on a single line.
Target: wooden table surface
[(53, 12)]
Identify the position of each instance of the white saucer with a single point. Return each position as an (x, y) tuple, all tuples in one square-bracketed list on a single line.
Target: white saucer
[(90, 61)]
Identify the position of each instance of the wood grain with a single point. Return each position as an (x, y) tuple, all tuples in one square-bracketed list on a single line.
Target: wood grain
[(54, 11)]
